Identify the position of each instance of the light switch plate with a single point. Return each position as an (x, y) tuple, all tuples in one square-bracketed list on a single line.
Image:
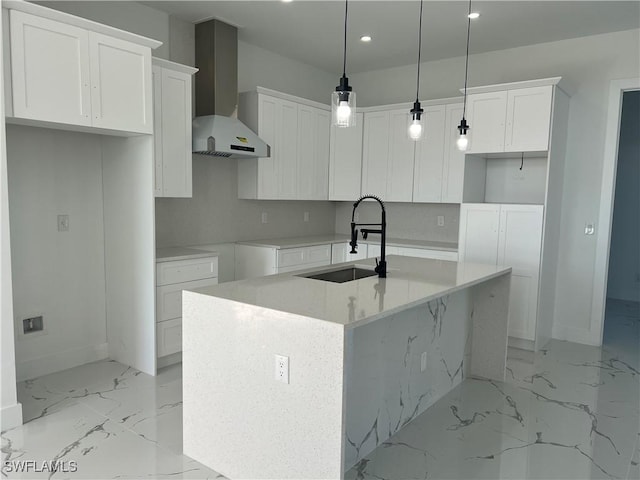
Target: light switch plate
[(264, 217), (441, 220), (63, 223), (589, 229)]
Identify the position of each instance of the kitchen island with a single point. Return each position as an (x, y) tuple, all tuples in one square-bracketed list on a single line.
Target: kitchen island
[(365, 357)]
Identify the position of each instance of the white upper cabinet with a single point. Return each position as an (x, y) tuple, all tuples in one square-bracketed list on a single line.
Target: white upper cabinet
[(313, 153), (287, 150), (388, 156), (50, 70), (345, 161), (486, 120), (528, 119), (172, 129), (401, 158), (298, 134), (64, 74), (121, 86), (375, 154), (430, 156), (515, 120), (453, 168)]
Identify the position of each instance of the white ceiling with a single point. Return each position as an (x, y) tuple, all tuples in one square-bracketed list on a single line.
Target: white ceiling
[(312, 31)]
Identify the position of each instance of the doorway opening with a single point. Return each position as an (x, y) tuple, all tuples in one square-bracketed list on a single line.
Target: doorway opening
[(622, 309)]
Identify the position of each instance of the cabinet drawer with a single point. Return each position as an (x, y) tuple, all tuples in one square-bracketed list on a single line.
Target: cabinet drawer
[(169, 297), (169, 337), (427, 253), (317, 254), (186, 270), (290, 257)]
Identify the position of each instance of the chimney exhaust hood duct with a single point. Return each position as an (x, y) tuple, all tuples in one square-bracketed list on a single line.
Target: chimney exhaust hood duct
[(216, 129)]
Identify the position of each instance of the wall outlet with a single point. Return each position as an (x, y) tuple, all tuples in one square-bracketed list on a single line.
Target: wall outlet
[(33, 324), (306, 216), (423, 361), (63, 223), (441, 220), (264, 217), (282, 369)]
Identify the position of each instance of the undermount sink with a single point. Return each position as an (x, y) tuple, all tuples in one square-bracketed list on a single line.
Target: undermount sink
[(342, 276)]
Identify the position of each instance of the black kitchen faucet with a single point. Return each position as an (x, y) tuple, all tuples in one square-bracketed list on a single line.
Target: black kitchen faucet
[(381, 266)]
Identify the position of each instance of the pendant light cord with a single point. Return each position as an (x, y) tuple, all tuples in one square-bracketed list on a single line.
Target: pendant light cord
[(419, 54), (466, 65), (344, 56)]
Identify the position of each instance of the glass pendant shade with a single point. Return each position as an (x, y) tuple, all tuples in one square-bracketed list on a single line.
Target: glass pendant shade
[(416, 122), (343, 105)]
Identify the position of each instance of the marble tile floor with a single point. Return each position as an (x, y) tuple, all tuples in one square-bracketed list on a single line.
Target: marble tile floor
[(572, 413)]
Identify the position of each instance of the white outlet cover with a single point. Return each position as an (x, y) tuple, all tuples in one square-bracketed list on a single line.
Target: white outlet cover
[(306, 216), (441, 220), (264, 217), (282, 369)]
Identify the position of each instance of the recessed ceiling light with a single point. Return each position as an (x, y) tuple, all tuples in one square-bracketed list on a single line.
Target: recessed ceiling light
[(474, 15), (287, 1), (365, 38)]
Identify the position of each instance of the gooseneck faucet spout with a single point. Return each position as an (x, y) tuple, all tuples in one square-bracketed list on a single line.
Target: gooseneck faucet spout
[(381, 266)]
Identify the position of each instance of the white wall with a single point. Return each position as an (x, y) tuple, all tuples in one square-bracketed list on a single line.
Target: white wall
[(587, 65), (624, 260), (60, 275), (405, 220), (10, 409), (260, 67)]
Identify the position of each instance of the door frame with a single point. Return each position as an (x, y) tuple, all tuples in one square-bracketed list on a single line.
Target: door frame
[(607, 196)]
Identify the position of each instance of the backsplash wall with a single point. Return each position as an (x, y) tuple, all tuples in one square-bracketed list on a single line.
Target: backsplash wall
[(409, 221), (216, 215)]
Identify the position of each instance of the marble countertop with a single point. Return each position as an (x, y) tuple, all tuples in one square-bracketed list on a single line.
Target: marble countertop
[(410, 282), (169, 254), (296, 242)]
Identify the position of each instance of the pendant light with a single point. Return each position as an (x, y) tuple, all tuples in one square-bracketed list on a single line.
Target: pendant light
[(463, 128), (343, 100), (415, 114)]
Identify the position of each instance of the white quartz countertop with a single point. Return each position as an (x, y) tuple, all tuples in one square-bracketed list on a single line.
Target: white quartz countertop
[(169, 254), (296, 242), (410, 282)]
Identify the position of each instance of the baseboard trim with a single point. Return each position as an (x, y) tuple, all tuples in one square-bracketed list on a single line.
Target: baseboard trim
[(169, 360), (521, 343), (10, 417), (38, 367), (576, 335)]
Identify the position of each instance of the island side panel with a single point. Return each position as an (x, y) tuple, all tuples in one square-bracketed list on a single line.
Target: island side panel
[(385, 385), (241, 422), (490, 321)]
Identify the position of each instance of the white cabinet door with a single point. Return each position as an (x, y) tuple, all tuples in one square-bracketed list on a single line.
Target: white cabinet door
[(486, 118), (375, 154), (519, 246), (156, 75), (287, 159), (528, 119), (430, 154), (172, 131), (345, 161), (401, 159), (453, 167), (478, 236), (169, 337), (50, 70), (313, 153), (267, 130), (121, 96)]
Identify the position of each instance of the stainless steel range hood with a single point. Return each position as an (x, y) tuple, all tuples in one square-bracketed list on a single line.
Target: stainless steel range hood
[(216, 129)]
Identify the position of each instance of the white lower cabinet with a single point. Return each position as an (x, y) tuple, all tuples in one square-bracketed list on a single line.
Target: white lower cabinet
[(509, 235), (340, 252), (172, 278), (257, 261)]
